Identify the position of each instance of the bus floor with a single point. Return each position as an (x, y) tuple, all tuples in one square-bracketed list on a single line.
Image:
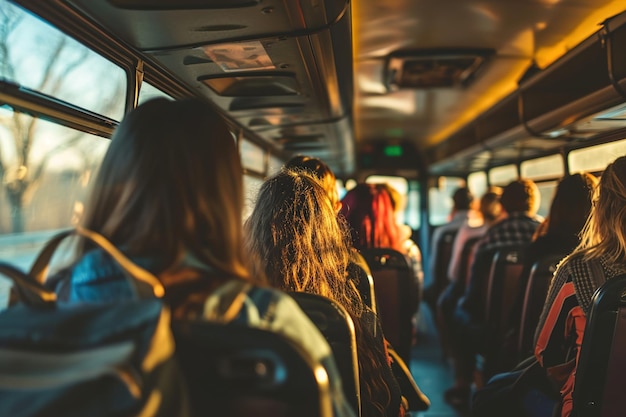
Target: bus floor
[(430, 370)]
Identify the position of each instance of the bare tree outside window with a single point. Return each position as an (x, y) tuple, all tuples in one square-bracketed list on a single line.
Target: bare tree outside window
[(38, 57)]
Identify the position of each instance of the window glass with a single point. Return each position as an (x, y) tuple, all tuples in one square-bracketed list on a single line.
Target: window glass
[(275, 164), (595, 158), (44, 186), (503, 175), (149, 92), (40, 57), (477, 183), (546, 191), (252, 156), (251, 186), (440, 199), (546, 167), (413, 205)]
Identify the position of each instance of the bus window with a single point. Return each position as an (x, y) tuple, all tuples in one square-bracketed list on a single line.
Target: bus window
[(503, 175), (44, 191), (413, 205), (149, 92), (546, 167), (252, 156), (595, 158), (41, 58), (477, 183), (275, 164), (251, 186), (546, 191), (440, 199)]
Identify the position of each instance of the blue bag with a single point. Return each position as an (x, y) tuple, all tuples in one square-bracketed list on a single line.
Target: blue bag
[(96, 360)]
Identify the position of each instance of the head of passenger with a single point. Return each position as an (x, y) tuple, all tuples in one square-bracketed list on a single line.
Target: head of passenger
[(571, 204), (369, 211), (462, 199), (295, 239), (490, 206), (320, 170), (605, 231), (170, 187), (521, 196)]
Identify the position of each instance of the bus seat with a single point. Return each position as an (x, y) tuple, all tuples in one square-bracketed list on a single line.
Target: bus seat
[(444, 253), (397, 296), (447, 301), (502, 286), (337, 327), (467, 256), (601, 370), (240, 371), (535, 295), (360, 273)]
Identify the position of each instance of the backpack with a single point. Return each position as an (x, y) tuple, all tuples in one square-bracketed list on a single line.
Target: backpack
[(96, 360)]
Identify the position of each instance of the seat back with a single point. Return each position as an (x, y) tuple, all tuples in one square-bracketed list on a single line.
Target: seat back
[(239, 371), (397, 296), (335, 324), (465, 262), (601, 370), (359, 272), (503, 285), (444, 253), (537, 286)]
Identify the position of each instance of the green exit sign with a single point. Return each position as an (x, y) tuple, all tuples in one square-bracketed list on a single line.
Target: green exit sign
[(393, 150)]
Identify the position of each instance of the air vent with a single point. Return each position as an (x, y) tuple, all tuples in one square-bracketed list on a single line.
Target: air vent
[(418, 69), (247, 85)]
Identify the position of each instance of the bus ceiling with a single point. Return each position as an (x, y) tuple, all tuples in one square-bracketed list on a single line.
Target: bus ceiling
[(425, 87)]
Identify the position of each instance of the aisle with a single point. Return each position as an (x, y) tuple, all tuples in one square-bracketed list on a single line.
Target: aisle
[(432, 374)]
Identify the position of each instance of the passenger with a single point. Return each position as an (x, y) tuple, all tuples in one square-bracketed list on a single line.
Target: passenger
[(461, 213), (568, 212), (601, 254), (491, 211), (520, 200), (323, 173), (357, 265), (410, 247), (169, 194), (296, 241), (369, 211)]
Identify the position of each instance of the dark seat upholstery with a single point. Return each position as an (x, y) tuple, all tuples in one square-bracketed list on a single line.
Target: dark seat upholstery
[(601, 370), (397, 296), (238, 371), (535, 295), (503, 284), (337, 327), (359, 272), (444, 253)]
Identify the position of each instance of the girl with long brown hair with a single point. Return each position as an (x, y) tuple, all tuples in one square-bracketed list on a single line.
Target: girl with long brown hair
[(296, 240)]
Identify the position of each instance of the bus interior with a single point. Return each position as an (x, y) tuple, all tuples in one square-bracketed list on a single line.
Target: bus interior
[(430, 94)]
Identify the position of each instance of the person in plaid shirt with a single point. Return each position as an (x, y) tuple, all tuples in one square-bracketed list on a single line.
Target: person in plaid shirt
[(520, 199)]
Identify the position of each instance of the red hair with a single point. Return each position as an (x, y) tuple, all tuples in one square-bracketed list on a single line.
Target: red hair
[(369, 211)]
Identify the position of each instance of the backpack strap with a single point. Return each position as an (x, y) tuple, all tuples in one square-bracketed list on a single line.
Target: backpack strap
[(226, 302)]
